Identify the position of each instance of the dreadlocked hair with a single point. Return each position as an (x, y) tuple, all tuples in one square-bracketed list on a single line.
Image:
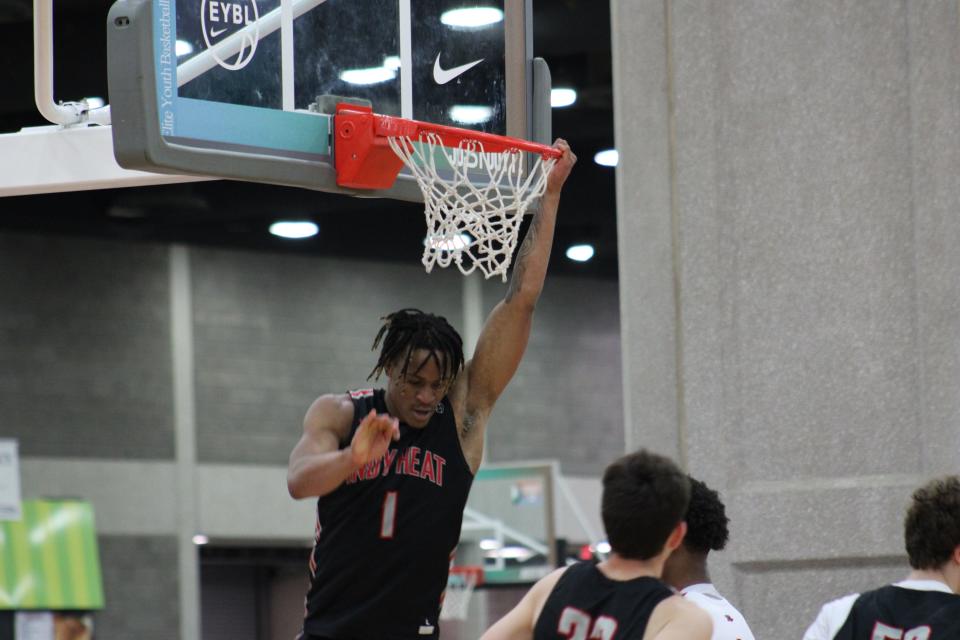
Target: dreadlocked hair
[(407, 330)]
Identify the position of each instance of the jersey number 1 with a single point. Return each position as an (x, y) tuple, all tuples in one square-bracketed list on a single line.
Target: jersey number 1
[(389, 515), (577, 625)]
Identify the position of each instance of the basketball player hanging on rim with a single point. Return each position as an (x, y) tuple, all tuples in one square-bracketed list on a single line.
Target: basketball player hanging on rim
[(392, 467)]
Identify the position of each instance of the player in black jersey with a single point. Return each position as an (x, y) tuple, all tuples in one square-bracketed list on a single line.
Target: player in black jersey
[(925, 606), (392, 468), (644, 500)]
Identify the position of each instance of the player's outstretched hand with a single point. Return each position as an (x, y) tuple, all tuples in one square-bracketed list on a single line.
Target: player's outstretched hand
[(373, 437), (558, 175)]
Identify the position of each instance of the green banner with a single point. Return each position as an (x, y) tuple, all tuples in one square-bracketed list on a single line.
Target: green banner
[(49, 559)]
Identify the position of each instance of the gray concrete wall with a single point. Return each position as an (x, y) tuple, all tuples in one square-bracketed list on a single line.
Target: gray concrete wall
[(271, 333), (565, 400), (167, 385), (85, 348), (139, 588), (790, 171)]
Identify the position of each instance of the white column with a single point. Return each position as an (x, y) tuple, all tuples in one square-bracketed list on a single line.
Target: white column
[(184, 408)]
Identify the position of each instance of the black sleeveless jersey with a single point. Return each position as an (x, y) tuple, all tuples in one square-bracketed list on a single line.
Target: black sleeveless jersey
[(896, 613), (384, 538), (586, 604)]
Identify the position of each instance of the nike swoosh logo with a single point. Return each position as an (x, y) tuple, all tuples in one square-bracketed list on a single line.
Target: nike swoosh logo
[(215, 32), (443, 76)]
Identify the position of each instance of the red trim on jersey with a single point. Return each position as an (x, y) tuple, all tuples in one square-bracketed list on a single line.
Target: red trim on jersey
[(361, 393), (388, 459), (312, 562), (426, 471)]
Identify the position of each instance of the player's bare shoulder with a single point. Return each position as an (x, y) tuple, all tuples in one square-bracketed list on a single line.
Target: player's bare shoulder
[(675, 618), (331, 412)]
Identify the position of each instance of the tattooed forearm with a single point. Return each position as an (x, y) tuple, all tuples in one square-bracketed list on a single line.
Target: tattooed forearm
[(520, 268)]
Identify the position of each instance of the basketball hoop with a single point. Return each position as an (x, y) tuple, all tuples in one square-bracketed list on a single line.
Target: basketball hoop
[(476, 186), (460, 585)]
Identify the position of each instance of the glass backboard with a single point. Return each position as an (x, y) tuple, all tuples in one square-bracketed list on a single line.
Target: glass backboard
[(232, 88)]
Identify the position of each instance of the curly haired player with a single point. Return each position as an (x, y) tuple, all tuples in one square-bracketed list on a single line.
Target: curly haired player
[(686, 568)]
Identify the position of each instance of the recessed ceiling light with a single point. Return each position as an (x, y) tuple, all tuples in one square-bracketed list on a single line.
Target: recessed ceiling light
[(200, 539), (471, 17), (448, 243), (607, 158), (373, 75), (294, 229), (470, 113), (603, 547), (562, 97), (580, 252), (183, 48)]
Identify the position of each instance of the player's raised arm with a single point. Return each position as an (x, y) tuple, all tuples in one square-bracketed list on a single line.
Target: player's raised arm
[(317, 463), (504, 336)]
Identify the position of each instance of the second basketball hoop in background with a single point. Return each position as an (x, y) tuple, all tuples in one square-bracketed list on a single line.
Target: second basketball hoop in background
[(460, 585), (471, 223)]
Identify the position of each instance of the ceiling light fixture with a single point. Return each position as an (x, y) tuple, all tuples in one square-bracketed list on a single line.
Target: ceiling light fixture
[(448, 243), (471, 113), (580, 252), (183, 48), (373, 75), (607, 157), (562, 97), (294, 229), (471, 17)]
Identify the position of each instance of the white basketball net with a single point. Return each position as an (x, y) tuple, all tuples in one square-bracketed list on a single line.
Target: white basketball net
[(472, 225), (456, 598)]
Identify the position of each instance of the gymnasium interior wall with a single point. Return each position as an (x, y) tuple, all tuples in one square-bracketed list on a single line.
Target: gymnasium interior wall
[(790, 303), (167, 385)]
